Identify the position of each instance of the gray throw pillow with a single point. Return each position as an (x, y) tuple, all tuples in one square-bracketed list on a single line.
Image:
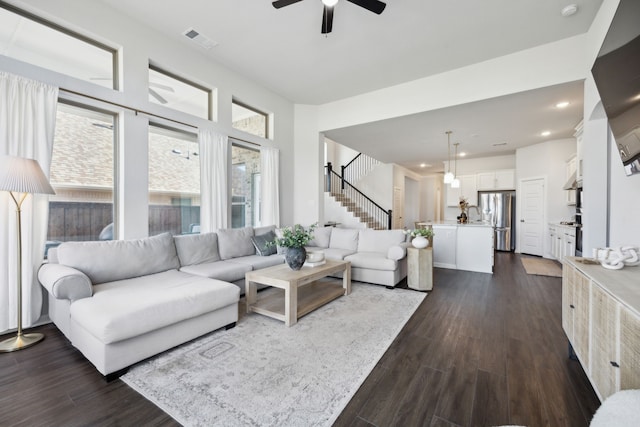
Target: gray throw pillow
[(261, 243)]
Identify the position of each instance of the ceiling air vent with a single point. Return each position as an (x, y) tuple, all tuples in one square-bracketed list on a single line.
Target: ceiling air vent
[(201, 40)]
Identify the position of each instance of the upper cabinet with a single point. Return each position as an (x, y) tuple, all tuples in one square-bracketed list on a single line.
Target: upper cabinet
[(497, 180), (468, 189)]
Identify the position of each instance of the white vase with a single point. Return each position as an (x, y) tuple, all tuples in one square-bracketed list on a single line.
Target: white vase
[(420, 242)]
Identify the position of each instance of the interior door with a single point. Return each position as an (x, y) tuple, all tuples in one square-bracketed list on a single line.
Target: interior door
[(398, 208), (532, 216)]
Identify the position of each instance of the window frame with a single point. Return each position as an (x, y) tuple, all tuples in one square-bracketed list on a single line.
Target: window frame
[(186, 81), (267, 130), (56, 27)]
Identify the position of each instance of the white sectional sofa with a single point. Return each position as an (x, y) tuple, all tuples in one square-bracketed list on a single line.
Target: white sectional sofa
[(120, 302)]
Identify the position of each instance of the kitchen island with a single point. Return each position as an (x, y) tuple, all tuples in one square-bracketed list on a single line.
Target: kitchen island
[(463, 246)]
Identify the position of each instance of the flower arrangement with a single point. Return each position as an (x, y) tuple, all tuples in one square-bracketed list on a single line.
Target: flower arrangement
[(295, 237), (424, 232), (464, 204)]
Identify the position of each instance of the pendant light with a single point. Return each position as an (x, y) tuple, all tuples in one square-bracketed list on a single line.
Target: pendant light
[(448, 177), (456, 181)]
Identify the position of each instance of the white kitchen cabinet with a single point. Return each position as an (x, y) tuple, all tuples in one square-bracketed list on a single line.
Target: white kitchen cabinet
[(474, 249), (463, 247), (468, 189), (504, 179), (444, 246), (562, 241)]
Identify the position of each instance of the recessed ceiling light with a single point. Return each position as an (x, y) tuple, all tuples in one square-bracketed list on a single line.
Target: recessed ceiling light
[(563, 104), (569, 10), (545, 133), (330, 3), (463, 154), (636, 98), (423, 165)]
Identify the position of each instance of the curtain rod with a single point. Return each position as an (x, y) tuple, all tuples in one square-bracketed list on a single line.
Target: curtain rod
[(145, 112)]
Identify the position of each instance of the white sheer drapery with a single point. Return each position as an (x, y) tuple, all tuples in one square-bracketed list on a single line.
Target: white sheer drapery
[(269, 173), (214, 149), (27, 124)]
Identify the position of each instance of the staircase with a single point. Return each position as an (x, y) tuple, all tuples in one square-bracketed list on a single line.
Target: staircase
[(367, 211), (352, 207)]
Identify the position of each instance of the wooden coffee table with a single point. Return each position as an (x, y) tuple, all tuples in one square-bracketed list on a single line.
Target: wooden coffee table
[(303, 292)]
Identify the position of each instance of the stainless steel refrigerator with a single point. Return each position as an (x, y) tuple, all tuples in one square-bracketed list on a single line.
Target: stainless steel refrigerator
[(498, 208)]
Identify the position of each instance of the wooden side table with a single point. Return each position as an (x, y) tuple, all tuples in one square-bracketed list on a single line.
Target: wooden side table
[(420, 268)]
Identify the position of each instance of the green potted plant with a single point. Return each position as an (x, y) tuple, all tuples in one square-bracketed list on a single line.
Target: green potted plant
[(294, 239), (420, 237)]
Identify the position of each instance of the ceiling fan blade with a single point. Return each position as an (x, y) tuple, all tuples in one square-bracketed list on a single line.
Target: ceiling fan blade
[(375, 6), (157, 96), (282, 3), (327, 20)]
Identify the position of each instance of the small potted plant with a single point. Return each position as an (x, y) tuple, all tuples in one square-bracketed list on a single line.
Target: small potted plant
[(294, 239), (420, 237)]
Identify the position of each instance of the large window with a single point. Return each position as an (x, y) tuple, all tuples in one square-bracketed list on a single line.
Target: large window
[(179, 94), (249, 119), (28, 38), (245, 187), (82, 174), (174, 182)]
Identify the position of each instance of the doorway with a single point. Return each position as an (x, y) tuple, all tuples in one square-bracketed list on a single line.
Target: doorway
[(532, 211)]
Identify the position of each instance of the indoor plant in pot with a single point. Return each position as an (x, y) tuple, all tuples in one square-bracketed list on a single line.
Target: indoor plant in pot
[(420, 237), (294, 239)]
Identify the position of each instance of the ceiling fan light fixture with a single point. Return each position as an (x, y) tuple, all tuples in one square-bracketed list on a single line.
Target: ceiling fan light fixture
[(329, 3)]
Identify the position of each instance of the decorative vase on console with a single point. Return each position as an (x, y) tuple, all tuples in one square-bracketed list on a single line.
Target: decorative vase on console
[(420, 237), (294, 240)]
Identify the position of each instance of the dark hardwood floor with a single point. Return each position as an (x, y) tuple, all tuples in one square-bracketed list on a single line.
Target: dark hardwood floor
[(481, 350)]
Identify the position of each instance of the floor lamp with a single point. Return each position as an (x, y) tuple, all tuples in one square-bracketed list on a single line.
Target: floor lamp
[(21, 177)]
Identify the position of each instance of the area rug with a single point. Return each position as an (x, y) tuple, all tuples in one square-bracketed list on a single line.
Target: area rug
[(542, 267), (262, 373)]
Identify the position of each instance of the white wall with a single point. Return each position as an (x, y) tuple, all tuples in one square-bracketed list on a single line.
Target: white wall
[(624, 228), (411, 202), (139, 44), (595, 180), (548, 160)]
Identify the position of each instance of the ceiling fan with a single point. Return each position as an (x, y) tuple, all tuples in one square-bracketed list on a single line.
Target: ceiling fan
[(375, 6)]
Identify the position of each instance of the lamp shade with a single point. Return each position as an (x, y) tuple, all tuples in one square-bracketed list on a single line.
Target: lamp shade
[(21, 175)]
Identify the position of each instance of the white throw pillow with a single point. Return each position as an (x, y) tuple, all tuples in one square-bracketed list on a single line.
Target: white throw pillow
[(197, 248), (120, 259), (379, 240), (344, 238), (321, 237), (235, 242)]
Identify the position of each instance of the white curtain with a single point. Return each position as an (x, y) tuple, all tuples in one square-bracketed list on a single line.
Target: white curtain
[(269, 173), (214, 149), (27, 123)]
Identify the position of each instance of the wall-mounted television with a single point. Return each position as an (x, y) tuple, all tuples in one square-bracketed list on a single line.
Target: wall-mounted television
[(616, 72)]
